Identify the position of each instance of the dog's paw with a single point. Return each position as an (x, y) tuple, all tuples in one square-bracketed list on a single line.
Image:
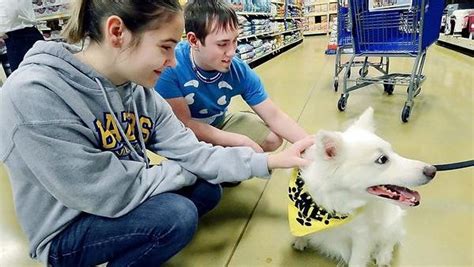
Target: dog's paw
[(383, 259), (300, 243)]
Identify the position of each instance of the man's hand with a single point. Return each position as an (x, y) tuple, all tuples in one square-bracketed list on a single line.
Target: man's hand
[(291, 157)]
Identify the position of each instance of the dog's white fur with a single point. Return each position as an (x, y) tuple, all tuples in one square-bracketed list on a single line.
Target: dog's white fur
[(344, 166)]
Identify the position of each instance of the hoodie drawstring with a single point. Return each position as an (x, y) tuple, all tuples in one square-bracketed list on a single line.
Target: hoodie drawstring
[(119, 126), (137, 124)]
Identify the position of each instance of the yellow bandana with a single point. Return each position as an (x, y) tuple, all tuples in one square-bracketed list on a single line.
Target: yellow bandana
[(304, 215), (154, 158)]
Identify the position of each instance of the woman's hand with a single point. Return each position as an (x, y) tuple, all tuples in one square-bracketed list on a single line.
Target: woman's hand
[(291, 157)]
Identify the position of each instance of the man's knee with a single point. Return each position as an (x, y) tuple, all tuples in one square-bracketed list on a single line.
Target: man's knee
[(272, 142)]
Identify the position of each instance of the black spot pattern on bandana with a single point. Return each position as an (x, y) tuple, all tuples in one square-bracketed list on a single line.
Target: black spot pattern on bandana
[(307, 209)]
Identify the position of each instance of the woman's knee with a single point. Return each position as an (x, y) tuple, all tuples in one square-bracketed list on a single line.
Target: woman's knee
[(177, 217), (211, 192), (272, 142), (204, 195)]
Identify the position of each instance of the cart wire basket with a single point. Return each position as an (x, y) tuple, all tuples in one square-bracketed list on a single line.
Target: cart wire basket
[(344, 46), (402, 32)]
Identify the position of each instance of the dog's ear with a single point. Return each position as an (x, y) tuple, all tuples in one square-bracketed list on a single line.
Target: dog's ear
[(366, 120), (329, 143)]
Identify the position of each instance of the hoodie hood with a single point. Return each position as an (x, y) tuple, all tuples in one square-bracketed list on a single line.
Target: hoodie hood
[(60, 57), (85, 87)]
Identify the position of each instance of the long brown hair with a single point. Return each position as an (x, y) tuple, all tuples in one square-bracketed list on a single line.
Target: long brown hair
[(137, 15)]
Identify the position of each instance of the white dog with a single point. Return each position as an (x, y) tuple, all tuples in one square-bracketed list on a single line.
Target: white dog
[(356, 174)]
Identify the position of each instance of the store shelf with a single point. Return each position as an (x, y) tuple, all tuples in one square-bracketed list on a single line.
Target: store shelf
[(53, 17), (274, 51), (316, 14), (253, 14), (254, 36), (283, 20), (319, 16), (315, 4), (314, 32), (266, 34), (460, 42), (287, 31), (56, 38)]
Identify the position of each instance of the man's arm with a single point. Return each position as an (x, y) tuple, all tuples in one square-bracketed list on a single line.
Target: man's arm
[(208, 133), (278, 121)]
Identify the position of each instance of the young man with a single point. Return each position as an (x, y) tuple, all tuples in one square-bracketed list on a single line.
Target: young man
[(207, 76)]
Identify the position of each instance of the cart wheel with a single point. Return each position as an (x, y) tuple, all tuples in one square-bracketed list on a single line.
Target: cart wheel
[(336, 84), (406, 113), (388, 88), (348, 73), (341, 104), (363, 72)]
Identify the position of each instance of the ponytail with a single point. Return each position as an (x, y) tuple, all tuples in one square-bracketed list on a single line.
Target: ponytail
[(75, 30)]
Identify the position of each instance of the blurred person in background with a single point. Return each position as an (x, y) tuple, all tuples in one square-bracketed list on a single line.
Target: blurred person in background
[(17, 29)]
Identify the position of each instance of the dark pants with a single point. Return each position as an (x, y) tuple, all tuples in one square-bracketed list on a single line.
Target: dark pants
[(147, 236), (19, 42)]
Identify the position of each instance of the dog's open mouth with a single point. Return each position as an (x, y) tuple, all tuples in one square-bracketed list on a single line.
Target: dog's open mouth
[(400, 194)]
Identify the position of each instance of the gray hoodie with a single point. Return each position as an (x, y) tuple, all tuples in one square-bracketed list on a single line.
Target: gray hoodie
[(72, 143)]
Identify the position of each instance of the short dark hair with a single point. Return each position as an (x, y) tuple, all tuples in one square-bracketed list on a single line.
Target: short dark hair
[(200, 15)]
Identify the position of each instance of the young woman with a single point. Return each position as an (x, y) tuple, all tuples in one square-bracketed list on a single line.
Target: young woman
[(76, 125)]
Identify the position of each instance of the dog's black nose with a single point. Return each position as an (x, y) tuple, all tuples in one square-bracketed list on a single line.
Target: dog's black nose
[(429, 171)]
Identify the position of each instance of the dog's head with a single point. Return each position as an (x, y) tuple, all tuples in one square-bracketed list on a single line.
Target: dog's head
[(358, 165)]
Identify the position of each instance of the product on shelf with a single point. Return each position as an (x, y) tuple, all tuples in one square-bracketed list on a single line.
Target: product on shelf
[(266, 26), (46, 8)]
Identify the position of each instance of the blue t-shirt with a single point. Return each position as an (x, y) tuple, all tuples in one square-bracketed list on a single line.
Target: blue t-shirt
[(208, 101)]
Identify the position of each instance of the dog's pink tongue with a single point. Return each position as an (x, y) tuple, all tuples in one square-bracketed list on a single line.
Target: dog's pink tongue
[(400, 194), (410, 197)]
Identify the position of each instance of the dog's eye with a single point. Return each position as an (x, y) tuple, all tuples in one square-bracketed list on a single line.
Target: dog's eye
[(382, 160)]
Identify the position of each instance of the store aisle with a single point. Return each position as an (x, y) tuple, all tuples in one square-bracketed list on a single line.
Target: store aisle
[(439, 231), (249, 228)]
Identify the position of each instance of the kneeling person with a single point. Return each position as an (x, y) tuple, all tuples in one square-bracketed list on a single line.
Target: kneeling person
[(208, 76)]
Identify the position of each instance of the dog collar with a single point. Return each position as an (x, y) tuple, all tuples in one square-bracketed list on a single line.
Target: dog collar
[(304, 215)]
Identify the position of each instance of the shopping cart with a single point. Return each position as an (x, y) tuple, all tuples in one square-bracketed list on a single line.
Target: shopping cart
[(405, 32), (344, 46)]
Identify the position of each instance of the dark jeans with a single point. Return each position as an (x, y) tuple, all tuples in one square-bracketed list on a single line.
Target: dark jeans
[(147, 236), (19, 42)]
